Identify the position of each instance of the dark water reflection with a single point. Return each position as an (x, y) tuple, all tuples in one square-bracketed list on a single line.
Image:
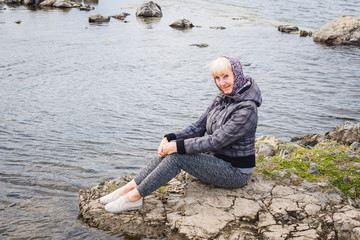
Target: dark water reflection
[(82, 103)]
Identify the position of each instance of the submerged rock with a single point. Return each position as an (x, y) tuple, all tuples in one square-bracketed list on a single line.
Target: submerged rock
[(98, 18), (149, 9), (121, 16), (218, 28), (345, 30), (182, 24), (200, 45), (190, 209), (287, 28)]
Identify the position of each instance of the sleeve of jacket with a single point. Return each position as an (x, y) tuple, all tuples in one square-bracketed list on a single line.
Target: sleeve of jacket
[(196, 129), (241, 121)]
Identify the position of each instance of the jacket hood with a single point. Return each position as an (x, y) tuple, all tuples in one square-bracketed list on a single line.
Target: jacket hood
[(240, 80), (250, 93)]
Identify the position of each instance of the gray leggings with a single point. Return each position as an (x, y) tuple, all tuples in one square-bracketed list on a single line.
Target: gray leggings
[(205, 167)]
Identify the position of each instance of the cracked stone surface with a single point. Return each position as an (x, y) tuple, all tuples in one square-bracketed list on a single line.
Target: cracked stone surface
[(190, 209)]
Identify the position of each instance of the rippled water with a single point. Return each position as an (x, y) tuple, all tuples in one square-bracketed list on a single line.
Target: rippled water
[(82, 103)]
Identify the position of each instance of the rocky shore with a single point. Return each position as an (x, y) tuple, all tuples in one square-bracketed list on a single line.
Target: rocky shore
[(345, 30), (278, 203)]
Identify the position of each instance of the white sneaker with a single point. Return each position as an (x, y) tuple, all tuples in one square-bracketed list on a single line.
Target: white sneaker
[(121, 205), (111, 197)]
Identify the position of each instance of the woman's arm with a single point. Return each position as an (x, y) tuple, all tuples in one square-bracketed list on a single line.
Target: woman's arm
[(240, 123)]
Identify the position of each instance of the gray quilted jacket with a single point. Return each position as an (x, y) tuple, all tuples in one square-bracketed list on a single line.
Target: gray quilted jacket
[(227, 127)]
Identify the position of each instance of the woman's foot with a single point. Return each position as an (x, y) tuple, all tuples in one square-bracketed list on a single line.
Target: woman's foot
[(118, 193), (112, 196), (122, 205)]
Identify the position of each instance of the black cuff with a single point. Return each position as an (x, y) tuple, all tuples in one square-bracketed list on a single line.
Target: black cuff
[(170, 136), (180, 146)]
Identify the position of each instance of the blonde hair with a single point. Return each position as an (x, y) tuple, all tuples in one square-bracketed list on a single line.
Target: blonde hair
[(220, 66)]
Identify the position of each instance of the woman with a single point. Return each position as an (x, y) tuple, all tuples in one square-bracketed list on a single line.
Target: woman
[(219, 148)]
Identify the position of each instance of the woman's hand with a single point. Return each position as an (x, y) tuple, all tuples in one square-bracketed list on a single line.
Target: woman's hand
[(169, 148), (160, 148), (166, 148)]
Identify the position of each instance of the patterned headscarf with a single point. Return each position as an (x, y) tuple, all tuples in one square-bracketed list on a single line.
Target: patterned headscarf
[(240, 81)]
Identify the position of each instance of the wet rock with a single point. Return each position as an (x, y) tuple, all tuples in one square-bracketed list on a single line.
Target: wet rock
[(86, 7), (218, 28), (345, 30), (303, 33), (121, 16), (47, 3), (62, 4), (263, 209), (312, 139), (346, 133), (200, 45), (13, 1), (98, 18), (287, 28), (182, 24), (149, 9), (28, 2)]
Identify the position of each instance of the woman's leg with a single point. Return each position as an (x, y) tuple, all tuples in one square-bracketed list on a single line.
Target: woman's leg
[(149, 167), (205, 167)]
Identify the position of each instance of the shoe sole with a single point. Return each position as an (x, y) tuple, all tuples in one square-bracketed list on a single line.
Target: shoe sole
[(125, 210)]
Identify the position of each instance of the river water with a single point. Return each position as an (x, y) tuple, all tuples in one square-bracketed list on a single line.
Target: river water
[(82, 103)]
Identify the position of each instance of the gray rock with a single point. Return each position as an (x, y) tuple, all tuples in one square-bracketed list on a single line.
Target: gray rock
[(355, 146), (262, 209), (303, 33), (200, 45), (312, 139), (62, 4), (346, 133), (182, 24), (149, 9), (98, 18), (29, 2), (287, 28), (47, 3), (121, 16), (86, 7), (345, 30), (218, 28), (313, 170), (266, 150)]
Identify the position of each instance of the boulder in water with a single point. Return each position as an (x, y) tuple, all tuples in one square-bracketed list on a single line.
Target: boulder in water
[(149, 9), (345, 30)]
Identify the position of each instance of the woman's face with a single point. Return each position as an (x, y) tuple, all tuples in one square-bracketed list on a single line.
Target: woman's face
[(225, 82)]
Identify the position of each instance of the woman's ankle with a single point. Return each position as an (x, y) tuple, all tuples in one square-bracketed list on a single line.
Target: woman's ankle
[(133, 196)]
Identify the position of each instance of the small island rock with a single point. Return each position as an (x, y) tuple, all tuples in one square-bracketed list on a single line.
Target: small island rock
[(98, 18), (287, 28), (345, 30), (182, 24), (149, 9), (121, 16)]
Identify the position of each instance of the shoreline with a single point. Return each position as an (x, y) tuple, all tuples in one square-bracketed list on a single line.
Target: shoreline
[(279, 204)]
